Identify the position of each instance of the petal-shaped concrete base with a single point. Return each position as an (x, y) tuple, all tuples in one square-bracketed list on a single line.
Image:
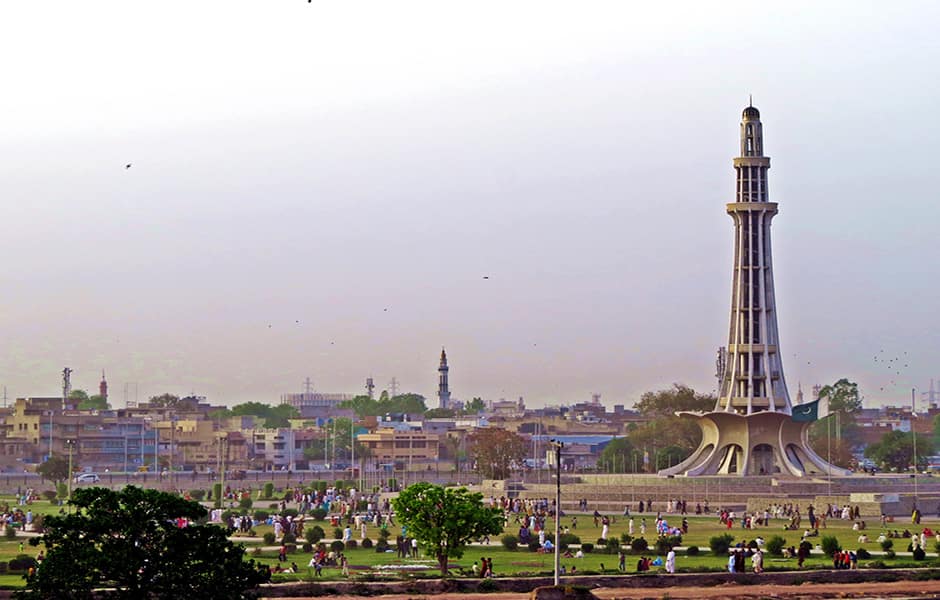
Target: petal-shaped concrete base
[(763, 443)]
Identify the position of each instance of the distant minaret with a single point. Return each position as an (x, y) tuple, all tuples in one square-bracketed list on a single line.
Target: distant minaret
[(103, 387), (799, 393), (443, 391)]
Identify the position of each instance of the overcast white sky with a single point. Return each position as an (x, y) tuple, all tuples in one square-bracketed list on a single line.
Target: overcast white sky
[(323, 162)]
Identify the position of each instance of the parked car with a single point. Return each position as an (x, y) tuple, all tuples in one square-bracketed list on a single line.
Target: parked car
[(87, 478)]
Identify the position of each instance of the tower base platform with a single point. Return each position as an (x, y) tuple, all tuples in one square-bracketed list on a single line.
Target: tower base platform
[(763, 443)]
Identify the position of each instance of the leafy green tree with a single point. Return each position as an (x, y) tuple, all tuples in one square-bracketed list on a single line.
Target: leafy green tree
[(78, 396), (844, 406), (620, 456), (445, 520), (274, 416), (440, 413), (96, 402), (56, 469), (403, 403), (407, 403), (896, 449), (665, 429), (165, 400), (474, 407), (497, 451), (129, 541)]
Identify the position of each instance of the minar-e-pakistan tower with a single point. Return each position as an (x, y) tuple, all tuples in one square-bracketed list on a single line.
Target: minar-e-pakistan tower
[(751, 431)]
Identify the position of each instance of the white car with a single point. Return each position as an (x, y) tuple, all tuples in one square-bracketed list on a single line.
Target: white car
[(87, 478)]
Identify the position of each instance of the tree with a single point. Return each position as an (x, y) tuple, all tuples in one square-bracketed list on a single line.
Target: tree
[(496, 451), (445, 520), (78, 396), (620, 456), (844, 405), (55, 469), (665, 429), (474, 407), (129, 541), (165, 401), (95, 402), (274, 416), (440, 413), (896, 450)]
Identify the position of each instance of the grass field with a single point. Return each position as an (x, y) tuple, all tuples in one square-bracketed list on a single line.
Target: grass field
[(521, 562)]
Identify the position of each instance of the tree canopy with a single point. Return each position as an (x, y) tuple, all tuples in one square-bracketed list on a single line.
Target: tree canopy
[(666, 438), (620, 456), (445, 520), (497, 451), (56, 468), (365, 406), (896, 450), (680, 397), (844, 405), (274, 416), (129, 541), (165, 400)]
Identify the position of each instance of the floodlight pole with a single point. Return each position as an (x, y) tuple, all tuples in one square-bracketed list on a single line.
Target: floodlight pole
[(557, 447), (70, 443), (914, 438)]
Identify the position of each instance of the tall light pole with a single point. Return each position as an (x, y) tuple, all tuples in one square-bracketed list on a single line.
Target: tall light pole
[(557, 446), (223, 441), (70, 444), (914, 439)]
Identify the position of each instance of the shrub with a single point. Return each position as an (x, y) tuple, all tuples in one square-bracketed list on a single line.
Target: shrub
[(62, 491), (600, 543), (269, 538), (307, 547), (352, 545), (887, 544), (919, 553), (267, 491), (384, 534), (22, 562), (314, 534), (9, 533), (217, 493), (639, 545), (775, 545), (289, 538), (876, 564), (49, 495), (626, 538), (667, 543), (587, 547), (289, 512), (862, 554), (830, 545), (318, 514), (719, 544), (889, 554), (337, 533), (381, 546), (261, 516), (197, 495), (367, 543), (487, 585), (337, 546), (534, 546), (510, 542), (568, 539), (692, 551)]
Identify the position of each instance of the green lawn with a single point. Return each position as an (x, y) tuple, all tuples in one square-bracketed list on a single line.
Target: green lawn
[(364, 562)]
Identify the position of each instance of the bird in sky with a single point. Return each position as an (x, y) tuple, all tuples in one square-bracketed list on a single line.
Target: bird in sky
[(486, 277), (127, 166)]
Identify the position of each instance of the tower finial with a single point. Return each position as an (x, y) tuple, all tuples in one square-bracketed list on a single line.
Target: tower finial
[(750, 100)]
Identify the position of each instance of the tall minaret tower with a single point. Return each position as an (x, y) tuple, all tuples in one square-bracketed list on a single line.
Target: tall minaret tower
[(753, 429), (443, 391), (103, 387), (753, 379)]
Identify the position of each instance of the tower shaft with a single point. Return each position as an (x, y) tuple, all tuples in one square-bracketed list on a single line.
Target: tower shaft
[(753, 379), (443, 389)]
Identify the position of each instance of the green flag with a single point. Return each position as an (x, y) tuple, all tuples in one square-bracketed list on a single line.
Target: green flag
[(806, 413)]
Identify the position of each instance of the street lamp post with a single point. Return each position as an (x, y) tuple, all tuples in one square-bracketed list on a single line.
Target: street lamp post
[(557, 446), (70, 444)]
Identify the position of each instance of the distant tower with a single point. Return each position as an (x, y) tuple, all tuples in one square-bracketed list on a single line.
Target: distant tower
[(799, 393), (370, 388), (66, 385), (103, 387), (751, 430), (443, 391)]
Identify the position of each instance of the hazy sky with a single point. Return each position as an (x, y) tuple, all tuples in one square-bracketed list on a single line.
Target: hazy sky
[(360, 168)]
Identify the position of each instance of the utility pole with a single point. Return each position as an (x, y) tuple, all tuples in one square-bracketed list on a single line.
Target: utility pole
[(70, 443)]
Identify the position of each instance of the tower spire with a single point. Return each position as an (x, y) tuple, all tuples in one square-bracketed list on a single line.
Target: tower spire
[(443, 388)]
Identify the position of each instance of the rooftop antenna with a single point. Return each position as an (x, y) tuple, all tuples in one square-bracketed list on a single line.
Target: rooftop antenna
[(394, 385), (308, 389)]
